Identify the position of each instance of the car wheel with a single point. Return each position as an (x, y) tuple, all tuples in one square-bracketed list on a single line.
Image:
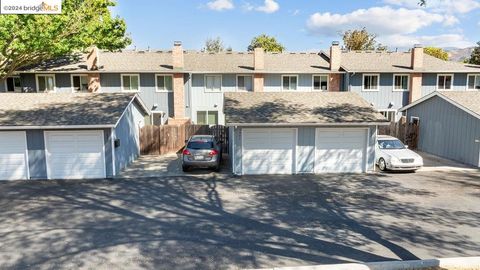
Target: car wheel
[(185, 168), (382, 165)]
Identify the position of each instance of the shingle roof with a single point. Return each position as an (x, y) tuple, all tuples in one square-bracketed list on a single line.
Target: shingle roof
[(363, 61), (56, 109), (470, 100), (223, 62), (299, 108)]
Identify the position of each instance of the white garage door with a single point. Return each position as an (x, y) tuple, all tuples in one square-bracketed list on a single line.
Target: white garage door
[(340, 150), (268, 151), (13, 155), (75, 154)]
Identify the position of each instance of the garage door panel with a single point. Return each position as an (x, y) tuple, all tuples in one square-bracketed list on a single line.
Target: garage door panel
[(13, 155), (75, 154), (268, 151), (340, 150)]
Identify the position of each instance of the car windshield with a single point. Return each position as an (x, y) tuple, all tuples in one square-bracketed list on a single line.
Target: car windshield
[(200, 144), (391, 144)]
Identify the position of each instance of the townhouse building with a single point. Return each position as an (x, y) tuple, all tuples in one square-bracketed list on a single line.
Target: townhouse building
[(180, 85)]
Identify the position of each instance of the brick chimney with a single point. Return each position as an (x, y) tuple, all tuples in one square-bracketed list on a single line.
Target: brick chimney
[(335, 56), (93, 65), (259, 66), (417, 57), (177, 55)]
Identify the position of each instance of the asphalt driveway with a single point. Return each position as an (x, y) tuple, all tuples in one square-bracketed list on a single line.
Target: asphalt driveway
[(219, 222)]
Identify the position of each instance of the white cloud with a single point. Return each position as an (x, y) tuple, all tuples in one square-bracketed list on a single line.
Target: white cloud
[(407, 41), (450, 20), (220, 5), (379, 20), (295, 12), (269, 6), (442, 6)]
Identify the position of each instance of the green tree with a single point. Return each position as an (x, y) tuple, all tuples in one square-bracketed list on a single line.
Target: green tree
[(214, 45), (361, 39), (436, 52), (475, 56), (268, 43), (30, 39)]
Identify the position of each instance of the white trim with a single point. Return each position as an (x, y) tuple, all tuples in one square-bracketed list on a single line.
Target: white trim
[(46, 75), (129, 74), (408, 82), (206, 115), (26, 156), (367, 145), (443, 74), (289, 83), (112, 139), (78, 75), (45, 134), (55, 127), (414, 118), (294, 149), (234, 167), (361, 124), (156, 83), (205, 83), (243, 75), (320, 75), (439, 94), (20, 90), (363, 82), (477, 77)]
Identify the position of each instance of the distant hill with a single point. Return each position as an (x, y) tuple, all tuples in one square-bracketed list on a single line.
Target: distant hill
[(459, 55)]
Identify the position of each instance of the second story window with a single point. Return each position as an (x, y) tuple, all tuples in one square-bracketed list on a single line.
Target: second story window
[(289, 82), (444, 82), (45, 83), (213, 83), (473, 82), (164, 83), (244, 83), (400, 82), (320, 82), (80, 83), (14, 84), (130, 83), (370, 82)]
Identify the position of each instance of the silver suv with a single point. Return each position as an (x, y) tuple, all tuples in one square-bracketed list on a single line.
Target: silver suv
[(202, 151)]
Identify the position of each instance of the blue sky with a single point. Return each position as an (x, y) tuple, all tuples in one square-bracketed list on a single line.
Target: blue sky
[(301, 25)]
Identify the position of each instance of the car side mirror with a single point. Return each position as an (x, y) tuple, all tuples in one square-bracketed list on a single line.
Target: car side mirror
[(406, 146), (186, 141)]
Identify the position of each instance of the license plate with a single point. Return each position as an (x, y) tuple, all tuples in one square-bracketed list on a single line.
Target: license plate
[(198, 157)]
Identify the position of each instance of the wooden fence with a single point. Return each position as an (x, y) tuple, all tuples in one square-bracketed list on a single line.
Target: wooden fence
[(160, 140), (408, 133)]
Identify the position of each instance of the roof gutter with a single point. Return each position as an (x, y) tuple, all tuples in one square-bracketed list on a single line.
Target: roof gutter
[(56, 127), (308, 124)]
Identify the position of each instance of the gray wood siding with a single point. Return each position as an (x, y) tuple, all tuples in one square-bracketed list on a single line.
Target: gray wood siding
[(63, 83), (111, 82), (447, 131), (29, 82), (305, 151), (382, 98), (429, 82)]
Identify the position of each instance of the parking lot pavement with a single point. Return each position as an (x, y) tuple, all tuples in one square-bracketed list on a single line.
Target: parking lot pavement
[(436, 163), (211, 222)]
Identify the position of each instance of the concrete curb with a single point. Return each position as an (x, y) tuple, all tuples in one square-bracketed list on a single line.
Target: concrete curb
[(467, 263)]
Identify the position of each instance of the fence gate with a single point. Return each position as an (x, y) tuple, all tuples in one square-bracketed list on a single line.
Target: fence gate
[(160, 140)]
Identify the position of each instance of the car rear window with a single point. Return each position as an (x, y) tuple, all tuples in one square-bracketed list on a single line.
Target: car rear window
[(200, 145)]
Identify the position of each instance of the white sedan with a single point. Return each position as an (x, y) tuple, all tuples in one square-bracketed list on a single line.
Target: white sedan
[(392, 154)]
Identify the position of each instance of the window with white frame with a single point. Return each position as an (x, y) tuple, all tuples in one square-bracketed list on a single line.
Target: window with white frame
[(164, 83), (389, 114), (474, 82), (80, 83), (320, 82), (213, 83), (244, 83), (400, 82), (370, 82), (289, 82), (444, 82), (14, 84), (45, 83), (130, 82), (207, 117)]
